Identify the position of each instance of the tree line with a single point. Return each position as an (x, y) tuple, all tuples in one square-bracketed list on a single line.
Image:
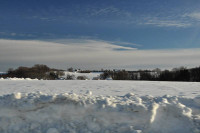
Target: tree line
[(41, 71), (37, 71), (176, 74)]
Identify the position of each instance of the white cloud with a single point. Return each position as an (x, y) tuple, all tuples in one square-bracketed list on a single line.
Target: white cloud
[(177, 20), (166, 22), (193, 15), (113, 14), (109, 11), (105, 11), (91, 54)]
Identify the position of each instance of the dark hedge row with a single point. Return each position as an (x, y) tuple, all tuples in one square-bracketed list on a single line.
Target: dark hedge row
[(178, 74), (37, 71)]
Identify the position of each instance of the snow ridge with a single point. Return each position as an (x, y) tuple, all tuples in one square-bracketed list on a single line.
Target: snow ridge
[(87, 113), (2, 79)]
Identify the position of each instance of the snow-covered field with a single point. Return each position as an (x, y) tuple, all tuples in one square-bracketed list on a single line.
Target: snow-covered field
[(39, 106)]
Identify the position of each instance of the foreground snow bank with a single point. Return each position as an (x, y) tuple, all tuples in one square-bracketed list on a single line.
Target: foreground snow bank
[(87, 113), (17, 79)]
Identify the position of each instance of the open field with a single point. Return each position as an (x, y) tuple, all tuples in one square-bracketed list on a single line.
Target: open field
[(102, 87)]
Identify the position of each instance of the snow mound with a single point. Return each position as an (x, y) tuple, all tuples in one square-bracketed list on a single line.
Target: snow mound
[(87, 113), (17, 79)]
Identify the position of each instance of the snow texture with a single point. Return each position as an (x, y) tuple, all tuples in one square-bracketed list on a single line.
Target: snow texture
[(42, 113), (100, 87), (91, 112), (17, 79)]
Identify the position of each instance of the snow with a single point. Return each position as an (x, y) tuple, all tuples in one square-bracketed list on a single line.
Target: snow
[(90, 75), (17, 79), (100, 87), (39, 106)]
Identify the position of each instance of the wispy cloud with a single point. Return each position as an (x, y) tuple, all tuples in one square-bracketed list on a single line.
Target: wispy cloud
[(82, 40), (187, 19), (167, 23), (92, 45), (105, 11), (193, 15), (91, 54), (14, 34), (164, 19), (114, 14), (109, 11), (158, 20)]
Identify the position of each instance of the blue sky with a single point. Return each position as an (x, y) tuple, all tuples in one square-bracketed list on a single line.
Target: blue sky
[(152, 24), (141, 24)]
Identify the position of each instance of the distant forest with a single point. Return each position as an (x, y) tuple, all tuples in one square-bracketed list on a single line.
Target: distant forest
[(176, 74), (36, 72), (44, 72)]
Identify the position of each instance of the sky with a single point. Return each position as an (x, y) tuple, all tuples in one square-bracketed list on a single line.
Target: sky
[(113, 34)]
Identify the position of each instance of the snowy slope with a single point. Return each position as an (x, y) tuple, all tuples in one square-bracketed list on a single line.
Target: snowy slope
[(99, 107), (90, 76)]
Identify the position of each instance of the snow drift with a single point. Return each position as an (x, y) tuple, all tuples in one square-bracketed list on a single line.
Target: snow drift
[(2, 79), (87, 113)]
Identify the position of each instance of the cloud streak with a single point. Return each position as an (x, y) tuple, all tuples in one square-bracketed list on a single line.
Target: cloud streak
[(167, 23), (193, 15), (91, 54)]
